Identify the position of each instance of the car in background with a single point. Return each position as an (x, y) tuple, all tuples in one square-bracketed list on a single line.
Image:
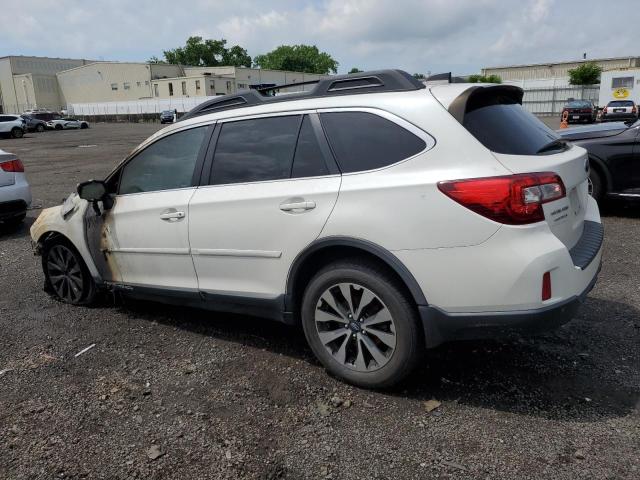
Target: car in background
[(15, 192), (67, 124), (44, 115), (13, 126), (614, 157), (168, 116), (619, 110), (580, 111), (34, 124)]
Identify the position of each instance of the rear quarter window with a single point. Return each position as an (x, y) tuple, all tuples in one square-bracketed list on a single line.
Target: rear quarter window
[(500, 123), (364, 141)]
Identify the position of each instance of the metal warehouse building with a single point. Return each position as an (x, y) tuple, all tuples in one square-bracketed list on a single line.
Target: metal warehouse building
[(553, 74), (29, 82)]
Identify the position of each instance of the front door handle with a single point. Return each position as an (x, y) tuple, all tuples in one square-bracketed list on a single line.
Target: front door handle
[(171, 215), (299, 206)]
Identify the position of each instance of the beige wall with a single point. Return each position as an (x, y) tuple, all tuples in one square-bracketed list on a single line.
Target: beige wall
[(554, 70), (105, 82)]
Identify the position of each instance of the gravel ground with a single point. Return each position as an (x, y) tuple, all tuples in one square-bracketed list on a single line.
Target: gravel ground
[(177, 393)]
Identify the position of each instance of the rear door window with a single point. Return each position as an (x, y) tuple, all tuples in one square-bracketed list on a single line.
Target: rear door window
[(364, 141), (500, 123)]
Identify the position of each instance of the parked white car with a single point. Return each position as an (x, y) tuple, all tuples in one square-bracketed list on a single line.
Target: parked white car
[(67, 123), (15, 193), (383, 216), (12, 125)]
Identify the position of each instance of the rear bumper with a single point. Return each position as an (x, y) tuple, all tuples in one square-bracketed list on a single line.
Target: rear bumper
[(581, 117), (12, 209), (440, 326), (616, 117)]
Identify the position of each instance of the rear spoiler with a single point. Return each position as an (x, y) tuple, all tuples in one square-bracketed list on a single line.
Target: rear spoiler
[(477, 94)]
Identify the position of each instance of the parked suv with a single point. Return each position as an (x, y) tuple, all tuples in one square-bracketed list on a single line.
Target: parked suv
[(383, 216), (13, 126), (15, 192), (33, 124), (619, 111)]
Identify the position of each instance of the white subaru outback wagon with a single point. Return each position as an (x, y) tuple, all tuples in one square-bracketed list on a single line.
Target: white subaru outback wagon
[(383, 216)]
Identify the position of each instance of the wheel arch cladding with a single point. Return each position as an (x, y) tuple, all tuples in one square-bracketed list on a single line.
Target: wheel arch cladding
[(326, 250), (603, 170)]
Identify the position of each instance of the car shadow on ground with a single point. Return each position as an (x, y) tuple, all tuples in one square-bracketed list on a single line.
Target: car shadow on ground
[(576, 373), (620, 208)]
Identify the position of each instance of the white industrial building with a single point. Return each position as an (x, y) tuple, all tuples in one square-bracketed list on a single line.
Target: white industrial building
[(30, 82), (553, 74), (620, 84)]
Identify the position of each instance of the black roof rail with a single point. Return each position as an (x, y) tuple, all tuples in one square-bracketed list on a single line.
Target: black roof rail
[(377, 81)]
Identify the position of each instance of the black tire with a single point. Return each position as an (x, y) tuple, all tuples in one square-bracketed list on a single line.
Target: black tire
[(83, 126), (58, 127), (17, 133), (39, 128), (596, 185), (409, 340), (67, 277), (14, 222)]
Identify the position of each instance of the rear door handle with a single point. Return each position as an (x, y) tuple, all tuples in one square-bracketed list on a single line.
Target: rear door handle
[(297, 206), (172, 215)]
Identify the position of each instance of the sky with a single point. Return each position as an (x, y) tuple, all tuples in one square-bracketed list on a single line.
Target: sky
[(420, 36)]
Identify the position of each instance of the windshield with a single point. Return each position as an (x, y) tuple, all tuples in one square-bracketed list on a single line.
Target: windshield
[(621, 103), (167, 112), (579, 104), (501, 124)]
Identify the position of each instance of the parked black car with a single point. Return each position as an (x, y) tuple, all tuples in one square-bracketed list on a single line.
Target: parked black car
[(580, 111), (168, 116), (614, 157), (34, 124), (619, 110)]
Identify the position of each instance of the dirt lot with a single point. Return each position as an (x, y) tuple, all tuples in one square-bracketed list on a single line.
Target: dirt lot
[(222, 396)]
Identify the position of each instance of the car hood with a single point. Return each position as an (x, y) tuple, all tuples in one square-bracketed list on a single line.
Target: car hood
[(593, 131)]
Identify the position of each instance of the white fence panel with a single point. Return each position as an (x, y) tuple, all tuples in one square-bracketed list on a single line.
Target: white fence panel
[(152, 105)]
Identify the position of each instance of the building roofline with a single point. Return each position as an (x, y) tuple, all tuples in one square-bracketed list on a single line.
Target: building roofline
[(545, 64), (46, 58)]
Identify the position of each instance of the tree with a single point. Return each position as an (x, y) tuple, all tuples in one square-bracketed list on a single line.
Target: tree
[(586, 74), (355, 70), (419, 76), (484, 79), (206, 53), (297, 58)]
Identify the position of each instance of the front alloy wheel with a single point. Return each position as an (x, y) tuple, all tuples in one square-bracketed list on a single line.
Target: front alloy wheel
[(67, 276), (355, 327)]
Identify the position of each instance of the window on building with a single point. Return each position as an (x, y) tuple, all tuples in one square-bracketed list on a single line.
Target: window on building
[(138, 84), (146, 82), (364, 141), (197, 85), (212, 86), (155, 90), (163, 165), (170, 89), (114, 86), (184, 88), (242, 86), (255, 150), (622, 82), (126, 86)]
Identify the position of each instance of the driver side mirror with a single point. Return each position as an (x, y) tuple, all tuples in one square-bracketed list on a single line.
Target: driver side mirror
[(92, 191)]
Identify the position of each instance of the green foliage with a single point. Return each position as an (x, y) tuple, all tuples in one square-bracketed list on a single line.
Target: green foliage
[(484, 79), (206, 53), (419, 76), (297, 58), (586, 74), (355, 70)]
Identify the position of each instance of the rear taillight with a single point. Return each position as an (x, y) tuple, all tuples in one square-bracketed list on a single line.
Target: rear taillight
[(510, 199), (633, 110), (12, 166), (604, 110)]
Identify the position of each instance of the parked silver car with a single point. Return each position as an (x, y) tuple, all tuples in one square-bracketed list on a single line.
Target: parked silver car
[(15, 192), (67, 123)]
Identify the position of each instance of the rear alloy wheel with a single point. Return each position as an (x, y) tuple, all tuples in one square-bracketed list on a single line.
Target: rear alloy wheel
[(17, 133), (67, 275), (39, 128), (58, 127), (360, 325)]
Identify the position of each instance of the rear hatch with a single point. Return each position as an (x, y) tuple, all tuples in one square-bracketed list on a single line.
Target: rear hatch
[(493, 114), (620, 107)]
